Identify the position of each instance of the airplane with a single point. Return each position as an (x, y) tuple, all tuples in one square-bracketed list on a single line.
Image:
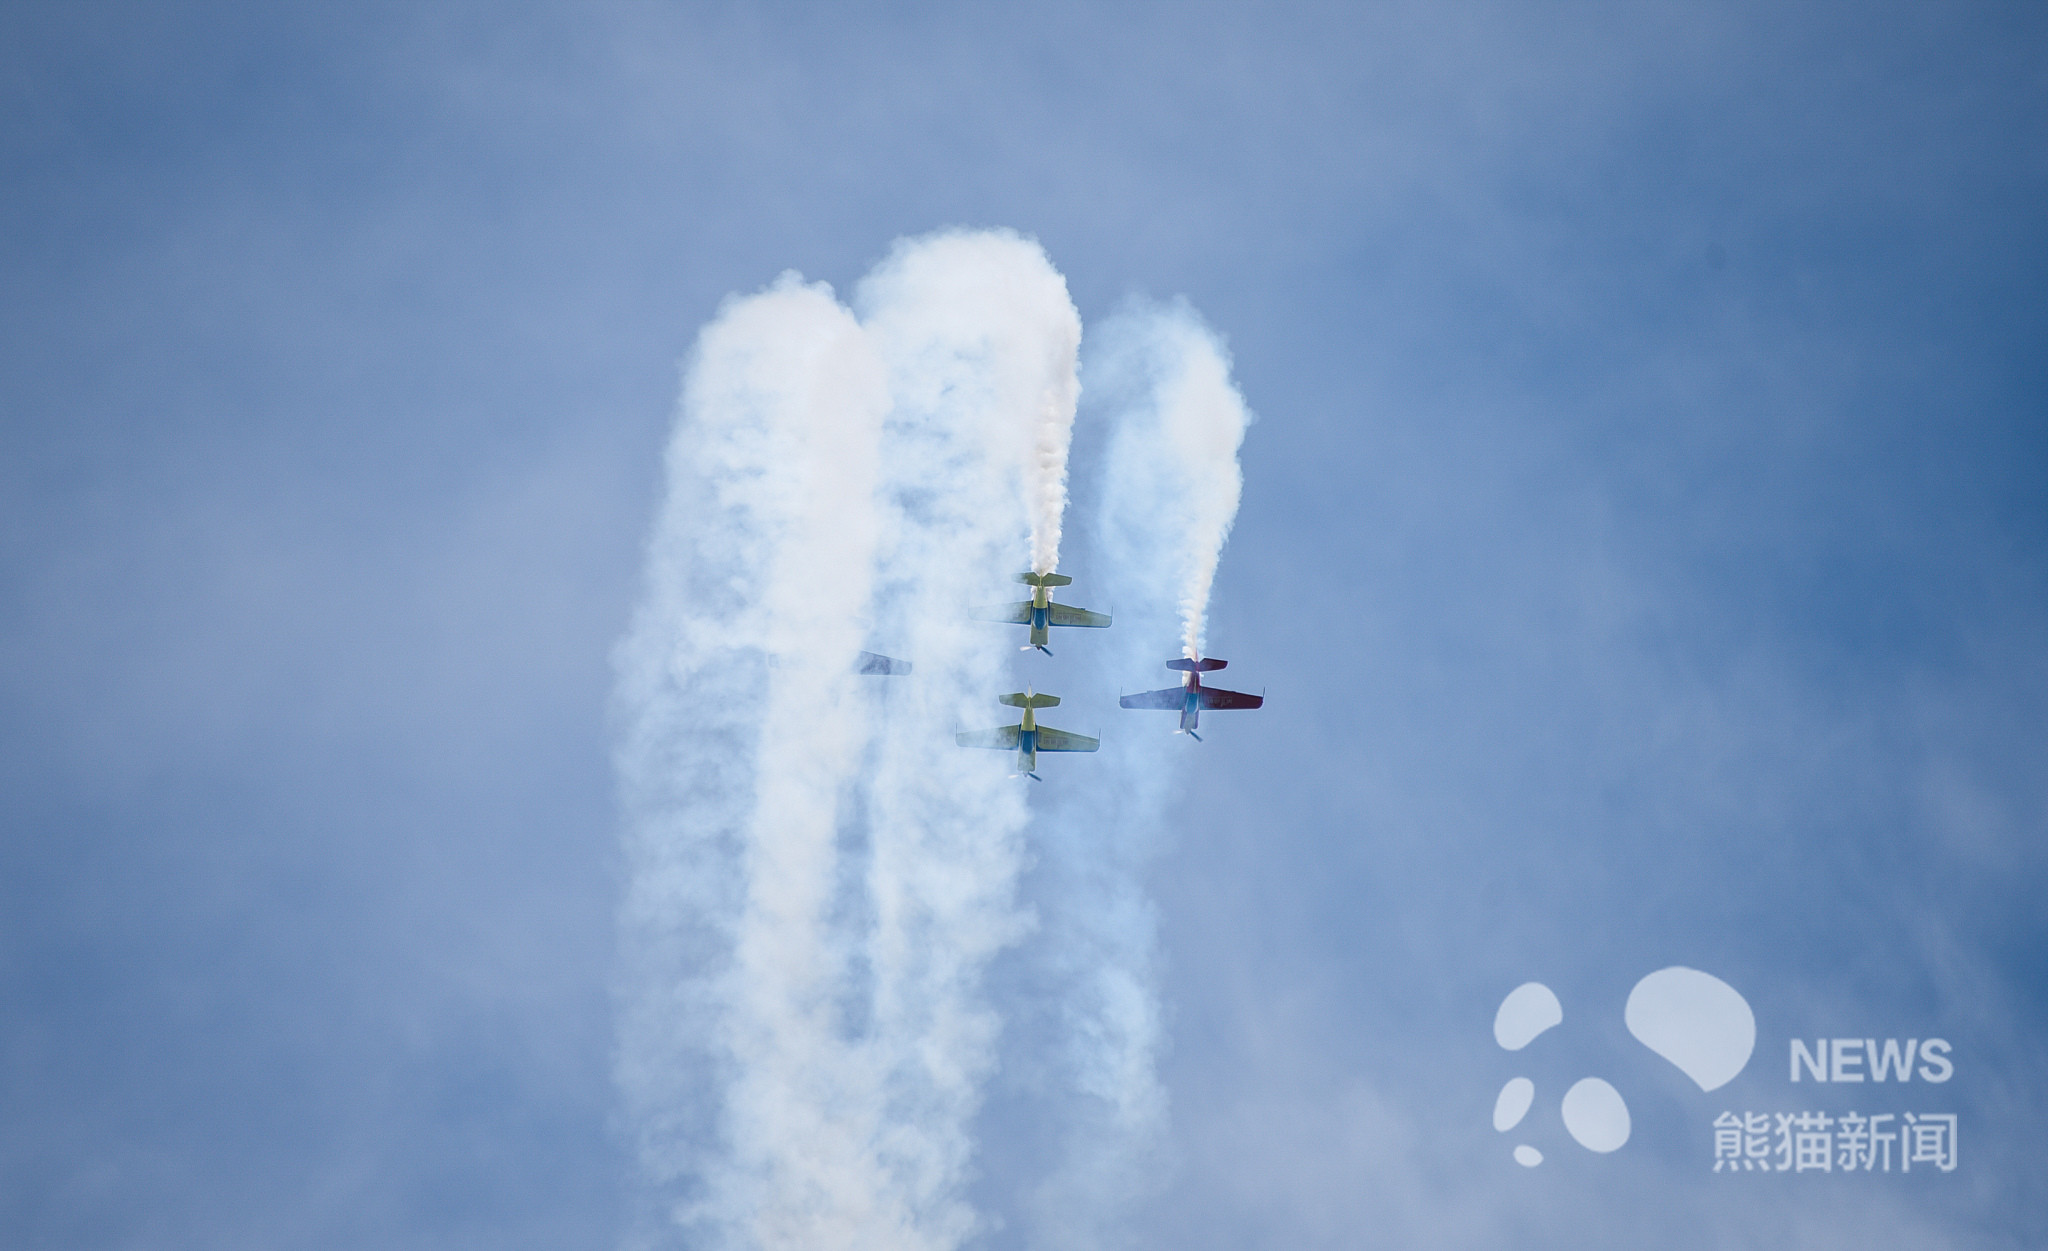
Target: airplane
[(1029, 738), (1039, 612), (877, 663), (1191, 697)]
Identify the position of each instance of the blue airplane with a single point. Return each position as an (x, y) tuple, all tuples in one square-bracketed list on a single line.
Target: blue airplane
[(1029, 738)]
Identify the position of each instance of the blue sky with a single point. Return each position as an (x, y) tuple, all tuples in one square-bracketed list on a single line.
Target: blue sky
[(1642, 545)]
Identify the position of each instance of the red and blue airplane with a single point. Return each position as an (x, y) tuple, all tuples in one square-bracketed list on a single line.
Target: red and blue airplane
[(1191, 697)]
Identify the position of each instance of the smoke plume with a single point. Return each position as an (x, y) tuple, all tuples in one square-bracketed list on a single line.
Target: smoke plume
[(1172, 483), (981, 329), (819, 876), (742, 730)]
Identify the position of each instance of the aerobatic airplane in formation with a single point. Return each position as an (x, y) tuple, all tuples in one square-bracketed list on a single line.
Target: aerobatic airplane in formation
[(1191, 698), (1028, 738), (1040, 613)]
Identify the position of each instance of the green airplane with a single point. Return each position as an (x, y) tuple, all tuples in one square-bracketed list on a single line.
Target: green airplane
[(1040, 613), (1028, 738)]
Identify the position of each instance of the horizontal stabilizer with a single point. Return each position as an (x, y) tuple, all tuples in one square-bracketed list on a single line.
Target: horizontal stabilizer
[(1001, 738), (1019, 699), (1198, 666), (1068, 615), (1215, 699), (1045, 579), (1170, 699), (876, 662), (1050, 739)]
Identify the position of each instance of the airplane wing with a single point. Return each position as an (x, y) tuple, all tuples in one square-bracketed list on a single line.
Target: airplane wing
[(1000, 737), (1060, 740), (1170, 698), (1015, 614), (1068, 615), (1212, 698)]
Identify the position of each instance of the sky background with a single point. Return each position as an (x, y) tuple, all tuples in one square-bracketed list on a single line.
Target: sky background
[(1643, 550)]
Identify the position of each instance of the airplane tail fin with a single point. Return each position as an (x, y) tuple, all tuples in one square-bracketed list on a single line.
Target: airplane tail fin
[(1021, 699), (1045, 579), (1198, 666)]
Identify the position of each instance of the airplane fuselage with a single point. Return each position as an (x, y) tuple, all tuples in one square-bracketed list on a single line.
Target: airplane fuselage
[(1041, 607), (1191, 702), (1027, 742)]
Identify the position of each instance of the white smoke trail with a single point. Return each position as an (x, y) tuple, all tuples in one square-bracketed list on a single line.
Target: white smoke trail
[(984, 314), (820, 876), (743, 728), (1173, 462), (1053, 432)]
